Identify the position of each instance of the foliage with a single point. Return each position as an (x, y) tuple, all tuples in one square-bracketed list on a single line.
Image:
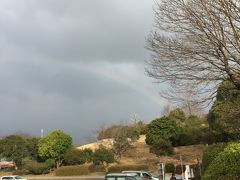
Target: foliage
[(161, 147), (72, 171), (76, 156), (177, 114), (50, 163), (120, 168), (163, 128), (54, 146), (176, 129), (32, 147), (102, 155), (169, 168), (226, 165), (132, 131), (36, 168), (14, 148), (224, 116), (211, 153)]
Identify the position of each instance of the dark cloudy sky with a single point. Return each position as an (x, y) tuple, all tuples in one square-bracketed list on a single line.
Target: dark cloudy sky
[(74, 65)]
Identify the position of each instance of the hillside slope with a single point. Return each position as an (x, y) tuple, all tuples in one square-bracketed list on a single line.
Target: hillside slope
[(139, 153)]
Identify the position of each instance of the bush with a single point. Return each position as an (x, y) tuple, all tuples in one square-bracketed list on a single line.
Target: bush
[(183, 139), (72, 171), (76, 156), (36, 168), (226, 165), (169, 168), (162, 148), (102, 155), (211, 153), (120, 168)]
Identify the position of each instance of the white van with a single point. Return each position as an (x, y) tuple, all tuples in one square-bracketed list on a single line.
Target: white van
[(145, 174)]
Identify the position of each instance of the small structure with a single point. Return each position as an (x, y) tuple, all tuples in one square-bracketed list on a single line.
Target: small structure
[(7, 164)]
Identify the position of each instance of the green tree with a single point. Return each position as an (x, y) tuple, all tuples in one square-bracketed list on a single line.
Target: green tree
[(161, 147), (32, 147), (177, 114), (76, 156), (14, 148), (103, 155), (54, 146), (163, 128), (224, 116), (132, 131)]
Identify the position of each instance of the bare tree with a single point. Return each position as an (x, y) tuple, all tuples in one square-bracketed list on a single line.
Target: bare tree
[(185, 97), (196, 43)]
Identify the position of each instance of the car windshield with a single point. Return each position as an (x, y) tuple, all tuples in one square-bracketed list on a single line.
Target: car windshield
[(18, 177)]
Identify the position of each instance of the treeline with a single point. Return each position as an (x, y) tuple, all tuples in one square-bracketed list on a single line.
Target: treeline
[(42, 155)]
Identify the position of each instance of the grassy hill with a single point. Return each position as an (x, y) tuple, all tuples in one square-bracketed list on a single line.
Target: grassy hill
[(139, 153)]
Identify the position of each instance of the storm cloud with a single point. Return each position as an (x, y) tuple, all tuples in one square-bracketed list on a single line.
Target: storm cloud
[(74, 65)]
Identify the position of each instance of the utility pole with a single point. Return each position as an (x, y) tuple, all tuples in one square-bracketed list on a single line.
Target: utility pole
[(161, 171), (181, 165)]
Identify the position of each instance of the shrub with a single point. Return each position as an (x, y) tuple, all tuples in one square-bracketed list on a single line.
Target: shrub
[(102, 155), (76, 156), (184, 139), (211, 153), (226, 165), (36, 168), (72, 171), (50, 163), (162, 148), (120, 168), (179, 169), (169, 168)]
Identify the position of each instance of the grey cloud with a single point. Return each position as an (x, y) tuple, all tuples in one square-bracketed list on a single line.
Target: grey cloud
[(74, 65), (81, 30), (52, 96)]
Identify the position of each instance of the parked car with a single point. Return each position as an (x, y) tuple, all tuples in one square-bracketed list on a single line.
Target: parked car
[(144, 174), (14, 177), (123, 176)]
